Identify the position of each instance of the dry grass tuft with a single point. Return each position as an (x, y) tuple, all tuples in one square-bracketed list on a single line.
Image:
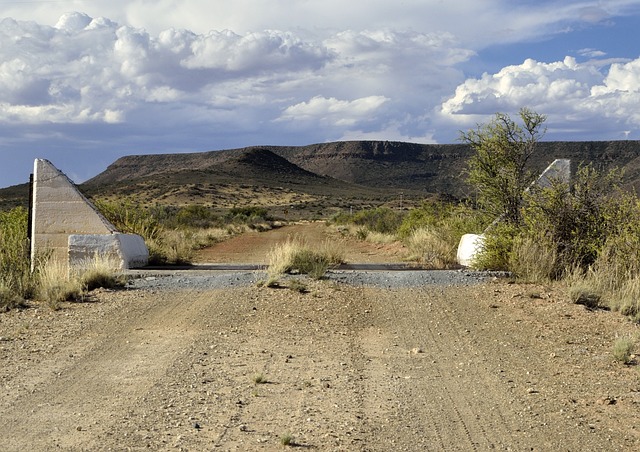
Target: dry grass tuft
[(294, 256), (432, 249), (623, 349), (55, 284), (172, 247), (9, 299), (532, 260), (380, 238), (101, 271)]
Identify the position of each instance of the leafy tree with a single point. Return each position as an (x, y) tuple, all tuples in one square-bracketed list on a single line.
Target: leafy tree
[(497, 169)]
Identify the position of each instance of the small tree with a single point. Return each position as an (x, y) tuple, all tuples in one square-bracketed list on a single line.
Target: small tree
[(497, 169)]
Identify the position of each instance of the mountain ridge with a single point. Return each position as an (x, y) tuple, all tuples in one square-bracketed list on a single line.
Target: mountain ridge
[(373, 171)]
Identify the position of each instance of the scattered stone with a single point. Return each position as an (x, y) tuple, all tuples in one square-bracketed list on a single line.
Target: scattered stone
[(606, 400), (416, 350)]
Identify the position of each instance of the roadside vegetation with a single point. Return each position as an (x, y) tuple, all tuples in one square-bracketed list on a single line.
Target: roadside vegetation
[(174, 234), (430, 232), (584, 233), (16, 283), (295, 257), (49, 282)]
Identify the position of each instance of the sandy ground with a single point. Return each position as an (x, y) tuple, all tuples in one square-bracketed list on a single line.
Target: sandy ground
[(492, 367)]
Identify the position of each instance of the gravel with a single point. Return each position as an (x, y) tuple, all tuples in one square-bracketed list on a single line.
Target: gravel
[(206, 279)]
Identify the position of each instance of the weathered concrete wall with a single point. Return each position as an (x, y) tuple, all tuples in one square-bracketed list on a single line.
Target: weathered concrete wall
[(60, 211), (122, 250)]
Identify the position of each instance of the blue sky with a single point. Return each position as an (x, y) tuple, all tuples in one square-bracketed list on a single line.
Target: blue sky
[(83, 82)]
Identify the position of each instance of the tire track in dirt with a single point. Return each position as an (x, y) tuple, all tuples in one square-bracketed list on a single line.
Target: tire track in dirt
[(80, 401), (443, 398)]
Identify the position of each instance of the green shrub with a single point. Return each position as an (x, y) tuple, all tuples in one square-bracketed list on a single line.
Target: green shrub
[(380, 219), (497, 168), (193, 216), (427, 215), (16, 281), (131, 219), (250, 215), (579, 218), (497, 248)]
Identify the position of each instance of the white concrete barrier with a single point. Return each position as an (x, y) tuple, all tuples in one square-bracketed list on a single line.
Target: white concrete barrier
[(468, 249), (124, 251), (67, 225)]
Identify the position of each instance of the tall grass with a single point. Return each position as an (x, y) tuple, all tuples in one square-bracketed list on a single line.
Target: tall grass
[(55, 284), (380, 219), (294, 256), (16, 283), (432, 247), (51, 281), (99, 272), (532, 259)]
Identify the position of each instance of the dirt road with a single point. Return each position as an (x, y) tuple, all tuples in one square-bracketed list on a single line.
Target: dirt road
[(253, 247), (490, 367)]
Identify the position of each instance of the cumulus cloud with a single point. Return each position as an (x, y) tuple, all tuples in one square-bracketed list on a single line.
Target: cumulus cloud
[(572, 94), (94, 70), (335, 112), (473, 22), (86, 69), (261, 51)]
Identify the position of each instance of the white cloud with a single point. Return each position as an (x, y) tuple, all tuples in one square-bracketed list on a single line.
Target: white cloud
[(622, 78), (335, 112), (476, 24), (592, 53), (95, 70), (260, 51), (575, 96)]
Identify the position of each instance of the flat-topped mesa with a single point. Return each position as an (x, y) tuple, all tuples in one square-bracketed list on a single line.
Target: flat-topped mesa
[(66, 225)]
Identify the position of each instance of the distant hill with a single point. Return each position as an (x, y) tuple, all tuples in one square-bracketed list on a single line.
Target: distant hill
[(319, 176)]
